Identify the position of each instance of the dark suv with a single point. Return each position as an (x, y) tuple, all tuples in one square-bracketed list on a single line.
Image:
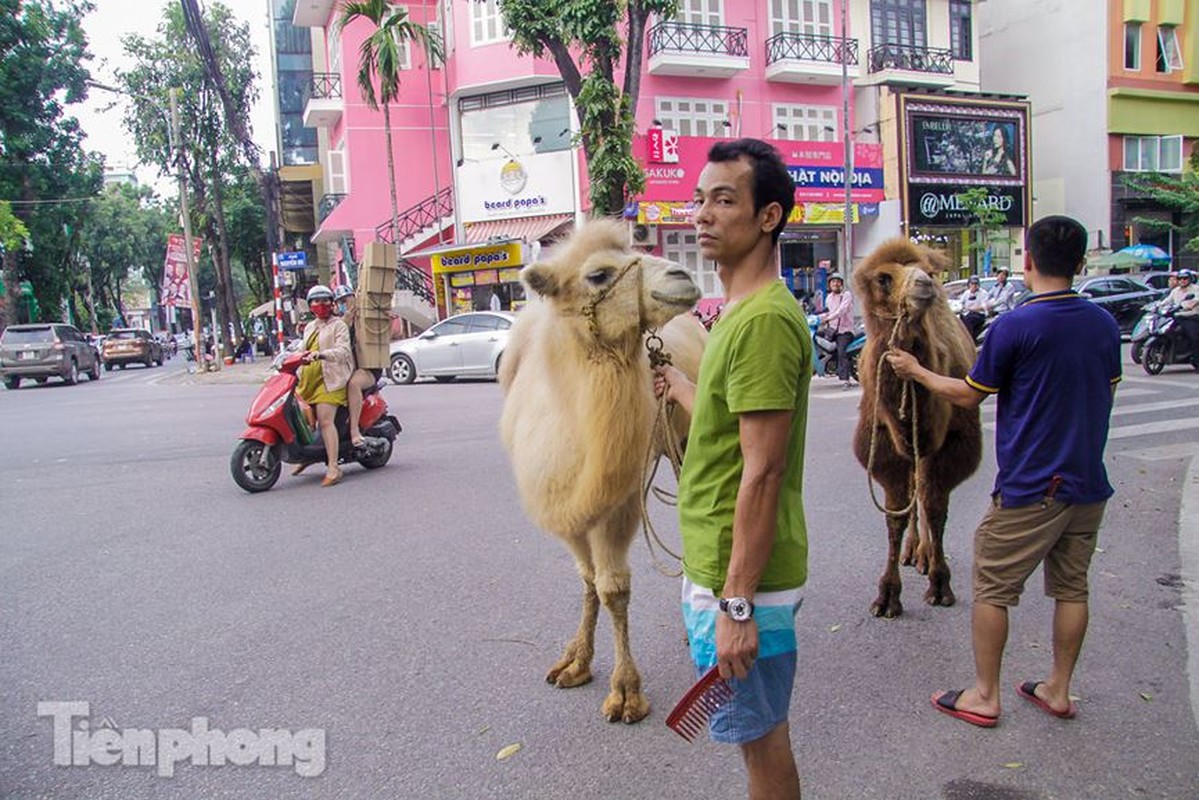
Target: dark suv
[(130, 346), (1124, 297), (45, 350)]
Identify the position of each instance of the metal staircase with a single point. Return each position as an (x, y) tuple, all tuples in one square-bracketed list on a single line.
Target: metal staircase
[(414, 298)]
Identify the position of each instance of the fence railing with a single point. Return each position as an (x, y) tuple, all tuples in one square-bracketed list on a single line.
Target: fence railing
[(327, 204), (683, 37), (811, 47), (324, 86), (412, 278), (932, 60), (415, 219)]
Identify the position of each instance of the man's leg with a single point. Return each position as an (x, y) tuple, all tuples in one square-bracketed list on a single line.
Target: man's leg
[(1069, 629), (771, 766), (989, 627), (843, 340)]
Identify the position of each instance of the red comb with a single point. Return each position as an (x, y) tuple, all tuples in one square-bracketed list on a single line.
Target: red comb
[(691, 714)]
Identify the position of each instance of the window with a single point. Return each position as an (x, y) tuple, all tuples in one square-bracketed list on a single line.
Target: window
[(487, 24), (1153, 153), (1132, 46), (807, 123), (700, 12), (681, 245), (453, 326), (692, 116), (337, 180), (811, 17), (435, 35), (960, 33), (901, 22), (533, 119), (1169, 57), (334, 43)]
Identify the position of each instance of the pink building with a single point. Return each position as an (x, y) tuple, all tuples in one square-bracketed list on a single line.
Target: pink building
[(486, 168)]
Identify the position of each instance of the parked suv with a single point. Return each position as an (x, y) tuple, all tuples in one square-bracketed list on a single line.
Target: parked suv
[(131, 346), (1123, 296), (45, 350)]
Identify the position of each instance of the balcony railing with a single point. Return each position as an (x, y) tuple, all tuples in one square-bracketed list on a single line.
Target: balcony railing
[(324, 86), (810, 47), (684, 37), (327, 203), (412, 278), (426, 213), (933, 60)]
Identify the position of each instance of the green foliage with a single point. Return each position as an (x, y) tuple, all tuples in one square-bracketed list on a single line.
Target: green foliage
[(985, 219), (586, 39), (381, 54), (13, 233), (1176, 192)]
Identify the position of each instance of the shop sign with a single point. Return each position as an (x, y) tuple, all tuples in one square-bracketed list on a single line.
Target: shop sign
[(820, 214), (659, 213), (469, 259), (955, 141), (939, 204), (818, 169), (528, 186), (663, 146)]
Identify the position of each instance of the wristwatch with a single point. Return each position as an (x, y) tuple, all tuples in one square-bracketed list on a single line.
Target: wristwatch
[(738, 608)]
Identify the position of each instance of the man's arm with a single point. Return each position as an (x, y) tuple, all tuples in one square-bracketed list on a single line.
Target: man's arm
[(764, 436), (955, 390)]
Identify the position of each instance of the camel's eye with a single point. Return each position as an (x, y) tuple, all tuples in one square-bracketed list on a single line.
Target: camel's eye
[(599, 277), (884, 282)]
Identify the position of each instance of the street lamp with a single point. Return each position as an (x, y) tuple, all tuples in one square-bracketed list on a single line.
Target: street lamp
[(176, 144)]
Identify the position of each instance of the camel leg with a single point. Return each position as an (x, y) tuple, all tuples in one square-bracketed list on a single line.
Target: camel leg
[(573, 668), (935, 505), (887, 604), (610, 545)]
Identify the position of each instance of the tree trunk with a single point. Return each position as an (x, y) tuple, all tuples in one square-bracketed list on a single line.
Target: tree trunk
[(228, 297), (222, 314), (391, 178), (12, 280)]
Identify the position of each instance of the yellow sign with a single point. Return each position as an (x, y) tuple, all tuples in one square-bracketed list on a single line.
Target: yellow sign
[(662, 213), (820, 214), (486, 256)]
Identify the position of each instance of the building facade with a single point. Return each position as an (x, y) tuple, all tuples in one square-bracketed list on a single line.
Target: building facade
[(1127, 104), (489, 169)]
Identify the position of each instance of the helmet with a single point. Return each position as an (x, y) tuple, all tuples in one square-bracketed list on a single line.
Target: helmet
[(972, 279), (1186, 275), (342, 291), (318, 293), (835, 277)]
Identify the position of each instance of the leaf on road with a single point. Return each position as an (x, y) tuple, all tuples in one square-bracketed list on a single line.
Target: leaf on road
[(1148, 698), (1014, 765), (482, 730), (508, 751), (834, 628), (1100, 550)]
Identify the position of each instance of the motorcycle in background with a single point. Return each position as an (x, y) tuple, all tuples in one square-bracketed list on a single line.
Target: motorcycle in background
[(1164, 342), (824, 350)]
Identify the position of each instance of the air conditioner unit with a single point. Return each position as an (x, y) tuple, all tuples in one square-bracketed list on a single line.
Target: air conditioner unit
[(643, 235)]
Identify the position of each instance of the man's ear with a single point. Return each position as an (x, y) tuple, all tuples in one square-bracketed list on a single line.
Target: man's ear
[(771, 215), (541, 279)]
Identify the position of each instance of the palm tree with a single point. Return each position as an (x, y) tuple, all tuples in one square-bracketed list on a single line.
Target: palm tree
[(381, 57)]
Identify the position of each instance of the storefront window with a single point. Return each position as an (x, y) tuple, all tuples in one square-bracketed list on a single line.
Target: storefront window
[(539, 124)]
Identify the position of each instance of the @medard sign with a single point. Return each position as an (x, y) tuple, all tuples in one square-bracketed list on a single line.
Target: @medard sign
[(941, 204)]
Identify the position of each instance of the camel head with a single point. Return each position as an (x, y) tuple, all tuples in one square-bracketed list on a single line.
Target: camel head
[(616, 293), (896, 281)]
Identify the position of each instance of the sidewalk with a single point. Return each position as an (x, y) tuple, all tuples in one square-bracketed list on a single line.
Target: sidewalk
[(248, 373)]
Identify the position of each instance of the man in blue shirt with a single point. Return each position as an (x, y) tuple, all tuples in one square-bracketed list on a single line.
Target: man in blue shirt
[(1053, 362)]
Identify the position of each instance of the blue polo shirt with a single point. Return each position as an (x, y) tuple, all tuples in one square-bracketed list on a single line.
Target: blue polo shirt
[(1052, 361)]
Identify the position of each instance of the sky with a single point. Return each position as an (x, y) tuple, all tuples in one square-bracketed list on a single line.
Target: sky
[(101, 120)]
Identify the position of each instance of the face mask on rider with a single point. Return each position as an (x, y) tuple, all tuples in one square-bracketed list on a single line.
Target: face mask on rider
[(341, 308), (322, 310)]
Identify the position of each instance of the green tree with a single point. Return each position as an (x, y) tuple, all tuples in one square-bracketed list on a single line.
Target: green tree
[(1176, 192), (985, 219), (586, 39), (380, 60), (44, 171), (13, 237)]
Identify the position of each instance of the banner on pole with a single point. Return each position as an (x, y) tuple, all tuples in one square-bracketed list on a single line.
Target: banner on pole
[(176, 288)]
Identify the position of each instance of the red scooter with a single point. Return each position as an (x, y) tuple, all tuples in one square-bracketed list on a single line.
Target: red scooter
[(279, 432)]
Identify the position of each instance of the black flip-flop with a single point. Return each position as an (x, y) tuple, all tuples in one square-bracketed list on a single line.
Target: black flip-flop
[(947, 703), (1028, 690)]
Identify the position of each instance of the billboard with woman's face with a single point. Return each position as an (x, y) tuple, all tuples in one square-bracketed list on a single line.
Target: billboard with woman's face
[(965, 146)]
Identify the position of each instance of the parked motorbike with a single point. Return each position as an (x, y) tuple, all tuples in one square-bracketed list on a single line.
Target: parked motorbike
[(824, 350), (1165, 343), (279, 432)]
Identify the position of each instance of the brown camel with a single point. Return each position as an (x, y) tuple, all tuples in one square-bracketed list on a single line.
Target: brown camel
[(905, 307), (578, 420)]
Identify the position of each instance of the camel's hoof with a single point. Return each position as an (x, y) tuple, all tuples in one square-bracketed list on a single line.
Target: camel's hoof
[(625, 707), (885, 609), (569, 674), (944, 597)]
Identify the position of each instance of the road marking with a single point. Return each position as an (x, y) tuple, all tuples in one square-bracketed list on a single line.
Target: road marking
[(1164, 405), (1158, 382), (1149, 428), (1163, 452), (1122, 392)]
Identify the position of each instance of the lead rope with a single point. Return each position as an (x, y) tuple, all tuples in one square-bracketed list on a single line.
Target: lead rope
[(907, 395), (664, 430)]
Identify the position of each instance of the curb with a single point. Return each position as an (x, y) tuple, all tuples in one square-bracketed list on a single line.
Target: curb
[(1188, 551)]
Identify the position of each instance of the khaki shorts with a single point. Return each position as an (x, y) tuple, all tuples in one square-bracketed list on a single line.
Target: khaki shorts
[(1011, 542)]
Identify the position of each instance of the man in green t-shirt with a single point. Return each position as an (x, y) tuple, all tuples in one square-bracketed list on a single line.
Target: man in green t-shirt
[(745, 545)]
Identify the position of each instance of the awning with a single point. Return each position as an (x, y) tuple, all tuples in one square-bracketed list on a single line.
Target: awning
[(531, 229), (264, 310)]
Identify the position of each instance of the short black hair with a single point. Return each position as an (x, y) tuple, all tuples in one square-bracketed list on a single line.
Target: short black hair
[(772, 183), (1057, 244)]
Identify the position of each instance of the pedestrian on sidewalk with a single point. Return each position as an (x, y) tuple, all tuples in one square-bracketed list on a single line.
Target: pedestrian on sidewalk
[(1053, 362), (839, 319), (745, 544)]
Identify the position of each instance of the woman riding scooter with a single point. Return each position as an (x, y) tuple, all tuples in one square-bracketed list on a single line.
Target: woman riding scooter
[(326, 372), (361, 379)]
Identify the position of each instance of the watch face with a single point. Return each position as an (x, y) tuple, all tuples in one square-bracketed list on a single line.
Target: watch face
[(738, 608)]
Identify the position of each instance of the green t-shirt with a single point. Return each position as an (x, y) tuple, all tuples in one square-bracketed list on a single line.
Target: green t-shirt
[(758, 358)]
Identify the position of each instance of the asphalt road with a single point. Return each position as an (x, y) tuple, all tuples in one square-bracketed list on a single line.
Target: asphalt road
[(408, 616)]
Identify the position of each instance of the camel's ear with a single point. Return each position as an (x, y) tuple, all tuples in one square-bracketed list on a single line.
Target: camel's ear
[(937, 261), (541, 279)]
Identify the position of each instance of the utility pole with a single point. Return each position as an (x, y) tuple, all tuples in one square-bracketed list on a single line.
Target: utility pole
[(848, 177), (192, 276)]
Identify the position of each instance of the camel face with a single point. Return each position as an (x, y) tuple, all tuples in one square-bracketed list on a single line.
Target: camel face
[(895, 281), (594, 276)]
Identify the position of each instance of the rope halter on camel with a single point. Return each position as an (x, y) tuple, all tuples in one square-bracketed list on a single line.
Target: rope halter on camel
[(590, 310), (907, 395), (664, 429)]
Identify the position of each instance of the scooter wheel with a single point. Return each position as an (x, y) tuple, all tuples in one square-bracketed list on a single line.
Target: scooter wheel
[(1137, 348), (1154, 357), (255, 466), (378, 458)]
